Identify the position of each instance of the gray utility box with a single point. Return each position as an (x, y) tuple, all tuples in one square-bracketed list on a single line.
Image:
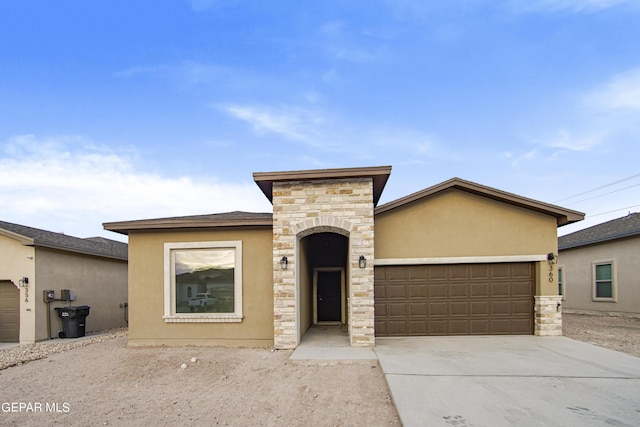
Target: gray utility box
[(73, 320)]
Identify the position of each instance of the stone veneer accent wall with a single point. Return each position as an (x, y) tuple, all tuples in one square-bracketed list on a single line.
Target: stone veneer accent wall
[(548, 315), (301, 208)]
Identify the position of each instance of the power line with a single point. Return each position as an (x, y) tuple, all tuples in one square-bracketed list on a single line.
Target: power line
[(598, 188), (615, 210), (604, 194)]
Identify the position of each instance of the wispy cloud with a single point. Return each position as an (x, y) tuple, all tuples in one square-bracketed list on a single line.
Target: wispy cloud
[(585, 6), (292, 123), (622, 92), (70, 183), (576, 142)]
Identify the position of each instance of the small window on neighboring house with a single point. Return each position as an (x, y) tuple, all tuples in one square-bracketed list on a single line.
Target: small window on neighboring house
[(561, 281), (604, 284), (203, 282)]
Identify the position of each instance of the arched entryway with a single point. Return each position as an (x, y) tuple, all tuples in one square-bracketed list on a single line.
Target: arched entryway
[(323, 283)]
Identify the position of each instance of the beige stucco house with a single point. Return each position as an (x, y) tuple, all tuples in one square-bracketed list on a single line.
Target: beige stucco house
[(457, 258), (93, 270), (600, 267)]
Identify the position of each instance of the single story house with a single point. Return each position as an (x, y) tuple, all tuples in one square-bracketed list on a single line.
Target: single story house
[(457, 258), (600, 267), (34, 263)]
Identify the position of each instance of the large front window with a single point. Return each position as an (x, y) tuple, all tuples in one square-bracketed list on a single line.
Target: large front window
[(203, 282)]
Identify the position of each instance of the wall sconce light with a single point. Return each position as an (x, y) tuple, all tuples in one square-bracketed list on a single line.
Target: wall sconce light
[(283, 263), (552, 258), (362, 261)]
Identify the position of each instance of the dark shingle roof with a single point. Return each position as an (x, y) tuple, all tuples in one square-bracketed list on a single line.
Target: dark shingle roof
[(227, 219), (97, 246), (627, 226)]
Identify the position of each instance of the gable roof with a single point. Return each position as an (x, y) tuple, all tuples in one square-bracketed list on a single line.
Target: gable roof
[(227, 219), (563, 216), (627, 226), (96, 246), (379, 175)]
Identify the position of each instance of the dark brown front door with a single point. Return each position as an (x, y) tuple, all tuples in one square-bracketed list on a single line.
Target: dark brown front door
[(9, 312), (329, 298), (457, 299)]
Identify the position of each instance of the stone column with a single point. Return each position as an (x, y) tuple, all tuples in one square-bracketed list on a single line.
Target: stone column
[(548, 315)]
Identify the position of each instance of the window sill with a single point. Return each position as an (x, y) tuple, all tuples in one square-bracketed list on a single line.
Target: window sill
[(194, 318), (604, 299)]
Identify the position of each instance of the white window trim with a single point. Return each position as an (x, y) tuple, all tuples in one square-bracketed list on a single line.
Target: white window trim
[(564, 281), (614, 281), (170, 316)]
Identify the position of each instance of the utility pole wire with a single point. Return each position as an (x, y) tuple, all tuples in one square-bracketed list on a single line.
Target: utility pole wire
[(604, 194), (599, 188), (616, 210)]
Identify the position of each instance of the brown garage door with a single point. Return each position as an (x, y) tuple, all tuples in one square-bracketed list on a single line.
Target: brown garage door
[(460, 299), (9, 312)]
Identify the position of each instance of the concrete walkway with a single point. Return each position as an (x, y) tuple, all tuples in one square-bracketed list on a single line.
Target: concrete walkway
[(330, 344), (509, 381)]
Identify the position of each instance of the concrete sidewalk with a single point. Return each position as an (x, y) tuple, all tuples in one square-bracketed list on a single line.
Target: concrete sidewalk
[(506, 381)]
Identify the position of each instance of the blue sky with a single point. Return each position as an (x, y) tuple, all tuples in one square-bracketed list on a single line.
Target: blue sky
[(119, 110)]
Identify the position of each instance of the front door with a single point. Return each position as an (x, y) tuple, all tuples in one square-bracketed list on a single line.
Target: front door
[(329, 301)]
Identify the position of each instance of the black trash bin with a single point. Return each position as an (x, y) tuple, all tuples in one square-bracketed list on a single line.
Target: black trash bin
[(73, 320)]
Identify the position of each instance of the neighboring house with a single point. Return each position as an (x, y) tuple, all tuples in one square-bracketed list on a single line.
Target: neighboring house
[(457, 258), (600, 267), (94, 271)]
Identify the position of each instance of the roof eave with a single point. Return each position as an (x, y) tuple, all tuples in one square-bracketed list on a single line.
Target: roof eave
[(379, 175), (563, 216), (24, 240), (142, 225), (51, 245)]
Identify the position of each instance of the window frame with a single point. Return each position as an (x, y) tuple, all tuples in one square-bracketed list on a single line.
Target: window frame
[(562, 282), (594, 282), (170, 315)]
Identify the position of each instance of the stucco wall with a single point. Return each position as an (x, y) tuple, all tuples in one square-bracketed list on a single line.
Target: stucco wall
[(455, 223), (146, 291), (100, 283), (18, 261), (578, 276)]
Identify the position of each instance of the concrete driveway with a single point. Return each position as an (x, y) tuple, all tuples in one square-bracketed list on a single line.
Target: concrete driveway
[(509, 381)]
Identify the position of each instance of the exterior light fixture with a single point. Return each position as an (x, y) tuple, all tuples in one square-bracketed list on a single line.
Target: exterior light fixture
[(362, 261), (283, 263), (552, 258)]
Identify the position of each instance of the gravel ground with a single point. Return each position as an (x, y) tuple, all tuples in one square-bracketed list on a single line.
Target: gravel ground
[(613, 332), (100, 381)]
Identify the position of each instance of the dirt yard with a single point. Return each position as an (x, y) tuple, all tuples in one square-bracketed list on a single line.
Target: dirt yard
[(617, 333), (106, 383)]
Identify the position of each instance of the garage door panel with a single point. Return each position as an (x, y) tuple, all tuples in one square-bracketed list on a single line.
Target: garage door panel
[(438, 291), (500, 308), (459, 327), (397, 309), (479, 327), (418, 328), (458, 272), (397, 328), (438, 272), (418, 309), (480, 308), (9, 312), (499, 290), (459, 290), (523, 308), (438, 327), (480, 290), (520, 289), (464, 299), (418, 290), (459, 309), (397, 273), (438, 309)]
